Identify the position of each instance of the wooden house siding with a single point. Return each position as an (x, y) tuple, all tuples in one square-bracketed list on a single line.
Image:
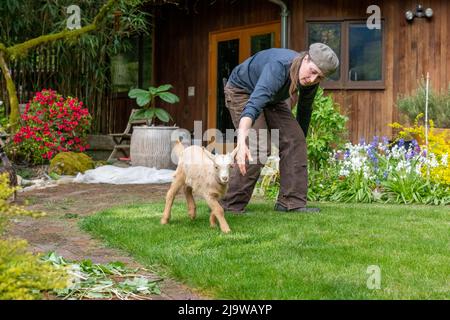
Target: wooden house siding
[(411, 50)]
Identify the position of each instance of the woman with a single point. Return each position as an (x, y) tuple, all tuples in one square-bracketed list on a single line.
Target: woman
[(256, 95)]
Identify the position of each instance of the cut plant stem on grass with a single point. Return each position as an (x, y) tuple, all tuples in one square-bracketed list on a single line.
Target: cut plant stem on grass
[(103, 281)]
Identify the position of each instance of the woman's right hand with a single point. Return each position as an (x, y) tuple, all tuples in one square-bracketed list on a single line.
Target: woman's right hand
[(242, 155), (243, 152)]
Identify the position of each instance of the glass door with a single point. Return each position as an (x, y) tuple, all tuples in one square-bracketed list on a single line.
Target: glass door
[(227, 50)]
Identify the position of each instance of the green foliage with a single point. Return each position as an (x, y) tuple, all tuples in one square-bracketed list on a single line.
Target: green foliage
[(3, 118), (91, 52), (354, 189), (269, 185), (100, 281), (378, 172), (146, 99), (6, 209), (409, 189), (327, 130), (70, 163), (438, 105), (23, 276)]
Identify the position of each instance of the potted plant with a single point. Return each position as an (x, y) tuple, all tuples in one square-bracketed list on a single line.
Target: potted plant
[(146, 99), (150, 145)]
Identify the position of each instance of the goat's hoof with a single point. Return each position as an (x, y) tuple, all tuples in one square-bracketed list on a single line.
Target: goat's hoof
[(226, 230), (213, 225), (164, 221)]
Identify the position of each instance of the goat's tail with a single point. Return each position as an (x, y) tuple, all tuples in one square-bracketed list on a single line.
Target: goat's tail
[(178, 148)]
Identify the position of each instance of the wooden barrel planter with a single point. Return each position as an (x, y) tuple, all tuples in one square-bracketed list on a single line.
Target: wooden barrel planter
[(152, 147)]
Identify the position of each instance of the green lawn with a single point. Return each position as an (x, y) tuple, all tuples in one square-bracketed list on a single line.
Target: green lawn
[(272, 255)]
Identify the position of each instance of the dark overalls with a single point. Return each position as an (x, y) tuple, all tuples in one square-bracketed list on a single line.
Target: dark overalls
[(259, 88)]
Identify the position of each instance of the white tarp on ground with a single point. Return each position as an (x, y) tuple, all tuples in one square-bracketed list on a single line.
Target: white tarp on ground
[(130, 175)]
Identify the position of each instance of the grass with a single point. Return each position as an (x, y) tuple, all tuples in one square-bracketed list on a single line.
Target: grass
[(271, 255)]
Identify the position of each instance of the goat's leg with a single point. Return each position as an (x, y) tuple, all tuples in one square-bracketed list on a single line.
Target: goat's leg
[(190, 202), (176, 185), (217, 211), (212, 220)]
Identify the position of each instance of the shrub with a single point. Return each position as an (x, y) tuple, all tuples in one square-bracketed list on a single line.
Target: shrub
[(23, 276), (52, 124), (70, 163), (438, 148), (5, 193), (327, 130), (438, 105)]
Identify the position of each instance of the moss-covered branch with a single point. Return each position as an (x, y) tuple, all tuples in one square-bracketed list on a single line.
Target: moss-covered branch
[(21, 49)]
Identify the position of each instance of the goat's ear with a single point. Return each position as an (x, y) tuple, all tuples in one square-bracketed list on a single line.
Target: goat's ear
[(209, 154), (233, 153)]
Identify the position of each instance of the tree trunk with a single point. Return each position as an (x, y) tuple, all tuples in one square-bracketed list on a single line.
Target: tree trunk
[(12, 94)]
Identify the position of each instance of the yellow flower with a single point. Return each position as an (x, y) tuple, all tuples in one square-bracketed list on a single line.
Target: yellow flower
[(438, 144)]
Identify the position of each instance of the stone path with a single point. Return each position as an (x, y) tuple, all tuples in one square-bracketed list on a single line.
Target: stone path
[(65, 205)]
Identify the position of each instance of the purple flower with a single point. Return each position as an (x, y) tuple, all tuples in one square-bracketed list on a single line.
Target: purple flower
[(401, 143), (409, 154), (385, 140), (362, 141), (416, 147), (385, 174), (371, 152), (346, 154), (375, 141)]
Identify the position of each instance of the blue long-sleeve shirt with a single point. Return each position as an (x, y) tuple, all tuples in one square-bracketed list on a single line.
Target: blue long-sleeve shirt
[(266, 77)]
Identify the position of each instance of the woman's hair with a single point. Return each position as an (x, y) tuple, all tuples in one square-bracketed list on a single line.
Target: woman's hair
[(295, 68)]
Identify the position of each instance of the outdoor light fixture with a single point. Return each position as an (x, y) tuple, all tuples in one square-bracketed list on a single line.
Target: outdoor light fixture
[(419, 13)]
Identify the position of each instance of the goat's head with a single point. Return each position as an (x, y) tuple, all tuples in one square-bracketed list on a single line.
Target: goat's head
[(222, 164)]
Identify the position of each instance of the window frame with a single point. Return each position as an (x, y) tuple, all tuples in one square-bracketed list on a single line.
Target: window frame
[(142, 56), (344, 83)]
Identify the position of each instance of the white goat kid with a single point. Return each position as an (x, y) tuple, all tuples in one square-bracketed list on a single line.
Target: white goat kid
[(205, 174)]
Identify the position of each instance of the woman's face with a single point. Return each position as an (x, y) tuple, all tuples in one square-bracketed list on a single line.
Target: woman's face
[(309, 74)]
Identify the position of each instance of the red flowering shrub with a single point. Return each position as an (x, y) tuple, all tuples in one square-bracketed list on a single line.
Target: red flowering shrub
[(52, 124)]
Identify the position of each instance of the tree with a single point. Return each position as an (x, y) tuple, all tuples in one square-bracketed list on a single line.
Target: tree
[(7, 54)]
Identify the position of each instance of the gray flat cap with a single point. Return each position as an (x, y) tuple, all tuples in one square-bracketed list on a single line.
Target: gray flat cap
[(324, 58)]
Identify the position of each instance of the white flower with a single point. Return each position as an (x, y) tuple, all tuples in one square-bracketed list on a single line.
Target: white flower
[(444, 160), (433, 162), (418, 168)]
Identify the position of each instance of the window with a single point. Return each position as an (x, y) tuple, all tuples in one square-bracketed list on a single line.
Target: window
[(132, 68), (360, 52)]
